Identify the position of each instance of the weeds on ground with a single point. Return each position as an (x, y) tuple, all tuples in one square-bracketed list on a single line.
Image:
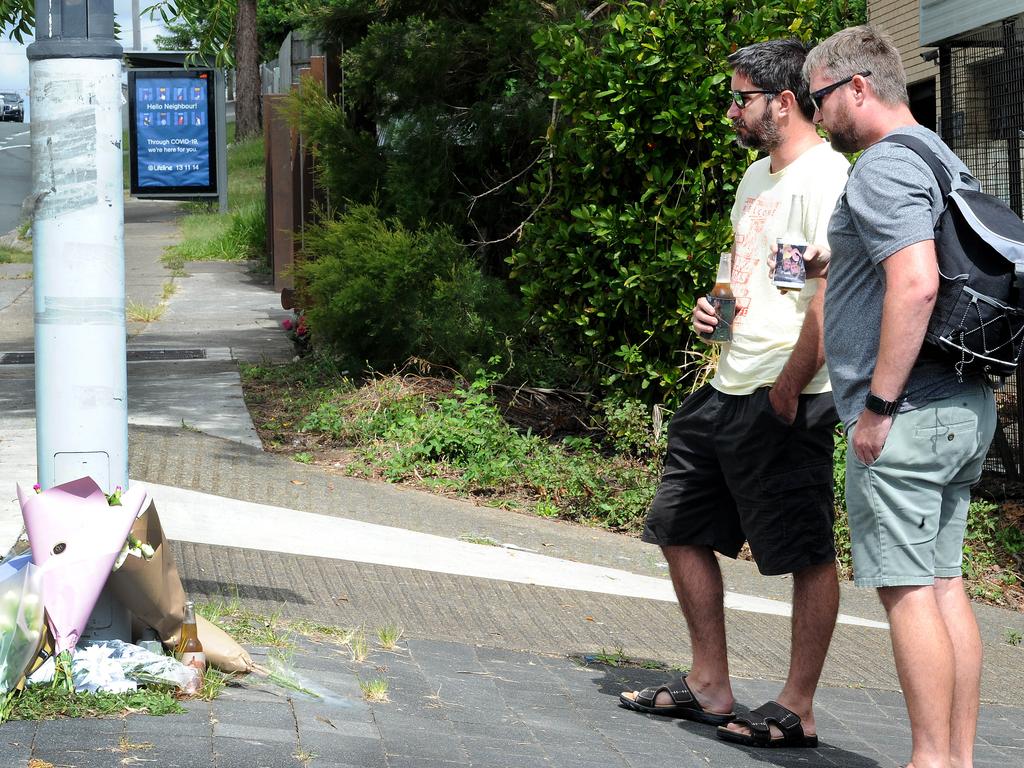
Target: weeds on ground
[(41, 702), (214, 683), (208, 235), (358, 646), (994, 554), (15, 256), (1013, 637), (244, 625), (456, 440), (375, 691), (619, 658), (388, 636), (143, 313)]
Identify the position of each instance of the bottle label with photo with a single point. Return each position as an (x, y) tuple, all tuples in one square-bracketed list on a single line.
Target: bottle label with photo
[(195, 659)]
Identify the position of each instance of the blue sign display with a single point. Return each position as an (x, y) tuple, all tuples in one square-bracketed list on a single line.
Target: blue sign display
[(172, 133)]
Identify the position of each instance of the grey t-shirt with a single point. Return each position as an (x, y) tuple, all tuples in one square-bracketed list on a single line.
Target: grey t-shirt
[(891, 201)]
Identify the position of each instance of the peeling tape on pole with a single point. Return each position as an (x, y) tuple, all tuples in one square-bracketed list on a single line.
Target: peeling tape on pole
[(81, 310), (65, 176)]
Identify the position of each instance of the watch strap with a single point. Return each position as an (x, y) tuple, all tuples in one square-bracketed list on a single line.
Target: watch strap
[(882, 407)]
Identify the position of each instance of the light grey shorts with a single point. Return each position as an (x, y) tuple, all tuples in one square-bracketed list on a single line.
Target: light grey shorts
[(908, 509)]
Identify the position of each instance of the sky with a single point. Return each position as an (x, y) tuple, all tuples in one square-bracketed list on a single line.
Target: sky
[(14, 65)]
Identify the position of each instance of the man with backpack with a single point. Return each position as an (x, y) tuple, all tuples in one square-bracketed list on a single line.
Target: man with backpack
[(918, 428)]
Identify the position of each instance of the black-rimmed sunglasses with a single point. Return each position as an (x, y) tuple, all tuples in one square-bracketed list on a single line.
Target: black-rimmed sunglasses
[(818, 96), (739, 98)]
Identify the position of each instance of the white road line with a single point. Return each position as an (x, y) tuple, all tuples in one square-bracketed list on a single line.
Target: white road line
[(206, 519)]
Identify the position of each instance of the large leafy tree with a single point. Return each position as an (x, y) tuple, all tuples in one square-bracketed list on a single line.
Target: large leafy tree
[(441, 110), (631, 200)]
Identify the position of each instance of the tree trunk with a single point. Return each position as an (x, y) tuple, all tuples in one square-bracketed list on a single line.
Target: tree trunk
[(247, 87)]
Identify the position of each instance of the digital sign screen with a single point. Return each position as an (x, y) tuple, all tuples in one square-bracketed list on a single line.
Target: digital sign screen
[(171, 123)]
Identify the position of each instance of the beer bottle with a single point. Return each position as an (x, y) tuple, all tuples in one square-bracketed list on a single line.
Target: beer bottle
[(722, 299), (190, 650), (790, 272)]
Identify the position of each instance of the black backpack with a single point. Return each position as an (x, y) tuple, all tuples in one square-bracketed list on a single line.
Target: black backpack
[(978, 319)]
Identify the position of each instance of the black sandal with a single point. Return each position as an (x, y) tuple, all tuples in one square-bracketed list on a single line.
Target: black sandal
[(759, 721), (684, 704)]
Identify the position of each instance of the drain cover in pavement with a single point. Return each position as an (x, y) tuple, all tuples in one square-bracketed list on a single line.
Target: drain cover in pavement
[(134, 356)]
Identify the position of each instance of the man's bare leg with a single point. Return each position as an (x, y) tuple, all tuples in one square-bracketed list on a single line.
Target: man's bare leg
[(962, 627), (924, 660), (697, 579), (815, 608)]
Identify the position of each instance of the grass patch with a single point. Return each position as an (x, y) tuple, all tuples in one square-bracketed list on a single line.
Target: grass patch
[(245, 626), (41, 702), (454, 440), (214, 683), (375, 691), (137, 312), (208, 235), (388, 636), (618, 658), (358, 646), (14, 256), (472, 538)]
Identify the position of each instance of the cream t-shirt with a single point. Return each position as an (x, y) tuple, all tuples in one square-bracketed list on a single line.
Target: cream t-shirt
[(768, 321)]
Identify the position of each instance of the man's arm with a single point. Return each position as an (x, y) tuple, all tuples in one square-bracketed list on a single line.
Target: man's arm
[(911, 284), (804, 361)]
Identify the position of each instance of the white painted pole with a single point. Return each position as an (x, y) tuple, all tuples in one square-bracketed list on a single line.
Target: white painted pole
[(78, 272), (78, 257)]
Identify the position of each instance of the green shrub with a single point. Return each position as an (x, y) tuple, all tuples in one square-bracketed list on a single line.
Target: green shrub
[(461, 442), (634, 196), (379, 294)]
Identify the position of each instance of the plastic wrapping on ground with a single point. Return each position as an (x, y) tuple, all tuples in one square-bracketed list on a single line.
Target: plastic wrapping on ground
[(21, 618), (113, 666)]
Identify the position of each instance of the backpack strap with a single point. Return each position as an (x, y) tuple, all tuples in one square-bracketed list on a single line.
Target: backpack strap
[(926, 153)]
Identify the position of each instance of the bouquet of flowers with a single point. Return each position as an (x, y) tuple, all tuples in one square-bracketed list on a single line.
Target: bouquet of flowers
[(297, 329), (77, 533), (21, 618)]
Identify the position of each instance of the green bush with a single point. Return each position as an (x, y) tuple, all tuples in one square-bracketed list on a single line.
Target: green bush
[(460, 442), (634, 196), (379, 293)]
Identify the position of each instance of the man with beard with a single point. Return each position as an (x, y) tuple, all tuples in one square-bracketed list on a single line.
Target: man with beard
[(750, 455), (918, 433)]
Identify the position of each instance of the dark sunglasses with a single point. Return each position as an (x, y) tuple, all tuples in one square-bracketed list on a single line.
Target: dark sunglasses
[(818, 96), (739, 98)]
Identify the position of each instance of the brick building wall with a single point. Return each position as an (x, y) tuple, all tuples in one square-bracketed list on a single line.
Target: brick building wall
[(902, 20)]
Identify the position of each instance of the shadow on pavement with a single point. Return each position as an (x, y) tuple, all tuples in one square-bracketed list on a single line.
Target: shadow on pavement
[(611, 681)]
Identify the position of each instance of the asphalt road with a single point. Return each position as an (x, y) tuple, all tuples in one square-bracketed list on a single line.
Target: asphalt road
[(16, 172)]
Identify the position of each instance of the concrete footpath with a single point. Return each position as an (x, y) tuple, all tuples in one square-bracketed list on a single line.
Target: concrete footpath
[(503, 657)]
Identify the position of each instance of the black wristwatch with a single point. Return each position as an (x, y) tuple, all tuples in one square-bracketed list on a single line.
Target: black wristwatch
[(875, 404)]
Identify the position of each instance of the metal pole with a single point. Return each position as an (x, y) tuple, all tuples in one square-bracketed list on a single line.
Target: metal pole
[(136, 27), (78, 248)]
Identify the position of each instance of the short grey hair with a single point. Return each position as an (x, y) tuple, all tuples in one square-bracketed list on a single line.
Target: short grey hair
[(862, 49)]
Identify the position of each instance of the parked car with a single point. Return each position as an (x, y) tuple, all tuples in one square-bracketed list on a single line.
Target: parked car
[(12, 107)]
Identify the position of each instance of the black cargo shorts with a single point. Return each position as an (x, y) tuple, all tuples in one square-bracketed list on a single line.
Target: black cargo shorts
[(735, 471)]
